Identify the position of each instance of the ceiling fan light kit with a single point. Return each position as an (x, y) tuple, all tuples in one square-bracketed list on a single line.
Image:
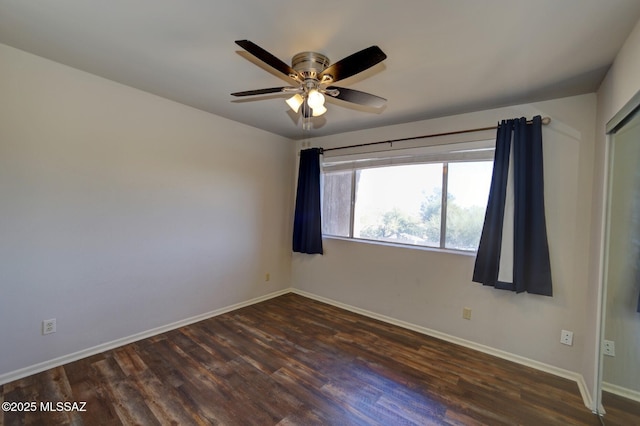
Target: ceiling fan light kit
[(312, 73)]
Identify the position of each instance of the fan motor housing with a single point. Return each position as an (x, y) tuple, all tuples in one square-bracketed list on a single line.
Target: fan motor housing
[(309, 64)]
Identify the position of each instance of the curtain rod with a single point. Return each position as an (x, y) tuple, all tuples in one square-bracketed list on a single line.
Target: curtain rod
[(545, 121)]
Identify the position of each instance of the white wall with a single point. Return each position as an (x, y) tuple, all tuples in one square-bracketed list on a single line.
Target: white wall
[(621, 83), (123, 212), (429, 288)]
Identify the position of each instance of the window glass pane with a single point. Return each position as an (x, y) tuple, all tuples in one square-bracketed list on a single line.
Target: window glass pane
[(467, 194), (336, 203), (399, 204)]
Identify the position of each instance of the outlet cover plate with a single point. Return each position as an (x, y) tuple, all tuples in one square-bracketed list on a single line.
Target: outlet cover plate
[(566, 337), (609, 348), (49, 326), (466, 313)]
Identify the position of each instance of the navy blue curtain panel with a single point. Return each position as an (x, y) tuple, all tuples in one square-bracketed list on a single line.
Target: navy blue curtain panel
[(307, 224), (531, 265), (488, 257)]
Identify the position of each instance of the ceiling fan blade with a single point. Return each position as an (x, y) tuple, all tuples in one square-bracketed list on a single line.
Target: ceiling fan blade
[(357, 97), (268, 58), (260, 91), (353, 64)]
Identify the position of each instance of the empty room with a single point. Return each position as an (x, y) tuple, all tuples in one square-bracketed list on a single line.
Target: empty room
[(340, 213)]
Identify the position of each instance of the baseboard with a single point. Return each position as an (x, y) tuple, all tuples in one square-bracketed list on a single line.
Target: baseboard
[(621, 391), (65, 359), (56, 362), (547, 368)]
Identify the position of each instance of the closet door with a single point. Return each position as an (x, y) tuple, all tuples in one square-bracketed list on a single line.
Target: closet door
[(621, 327)]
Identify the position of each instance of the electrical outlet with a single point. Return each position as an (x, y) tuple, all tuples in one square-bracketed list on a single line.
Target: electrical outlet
[(566, 337), (609, 348), (267, 276), (466, 313), (49, 326)]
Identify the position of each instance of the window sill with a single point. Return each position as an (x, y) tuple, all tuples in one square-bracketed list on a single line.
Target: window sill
[(400, 245)]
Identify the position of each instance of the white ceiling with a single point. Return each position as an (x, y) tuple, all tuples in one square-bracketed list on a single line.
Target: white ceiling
[(444, 56)]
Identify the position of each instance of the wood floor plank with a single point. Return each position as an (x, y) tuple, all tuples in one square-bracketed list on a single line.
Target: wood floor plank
[(164, 402), (621, 411), (129, 404), (295, 361)]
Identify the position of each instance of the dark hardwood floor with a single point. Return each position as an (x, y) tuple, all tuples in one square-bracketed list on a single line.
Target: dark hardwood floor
[(620, 411), (295, 361)]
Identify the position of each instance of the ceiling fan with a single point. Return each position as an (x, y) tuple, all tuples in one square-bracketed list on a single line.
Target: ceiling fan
[(313, 76)]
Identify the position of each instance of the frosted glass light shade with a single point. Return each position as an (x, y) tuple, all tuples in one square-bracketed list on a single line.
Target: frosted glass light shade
[(318, 111), (294, 102), (315, 99)]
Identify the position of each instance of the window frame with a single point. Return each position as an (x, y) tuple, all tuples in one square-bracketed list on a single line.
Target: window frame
[(444, 160)]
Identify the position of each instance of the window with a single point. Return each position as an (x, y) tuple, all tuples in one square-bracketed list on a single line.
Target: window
[(401, 200)]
